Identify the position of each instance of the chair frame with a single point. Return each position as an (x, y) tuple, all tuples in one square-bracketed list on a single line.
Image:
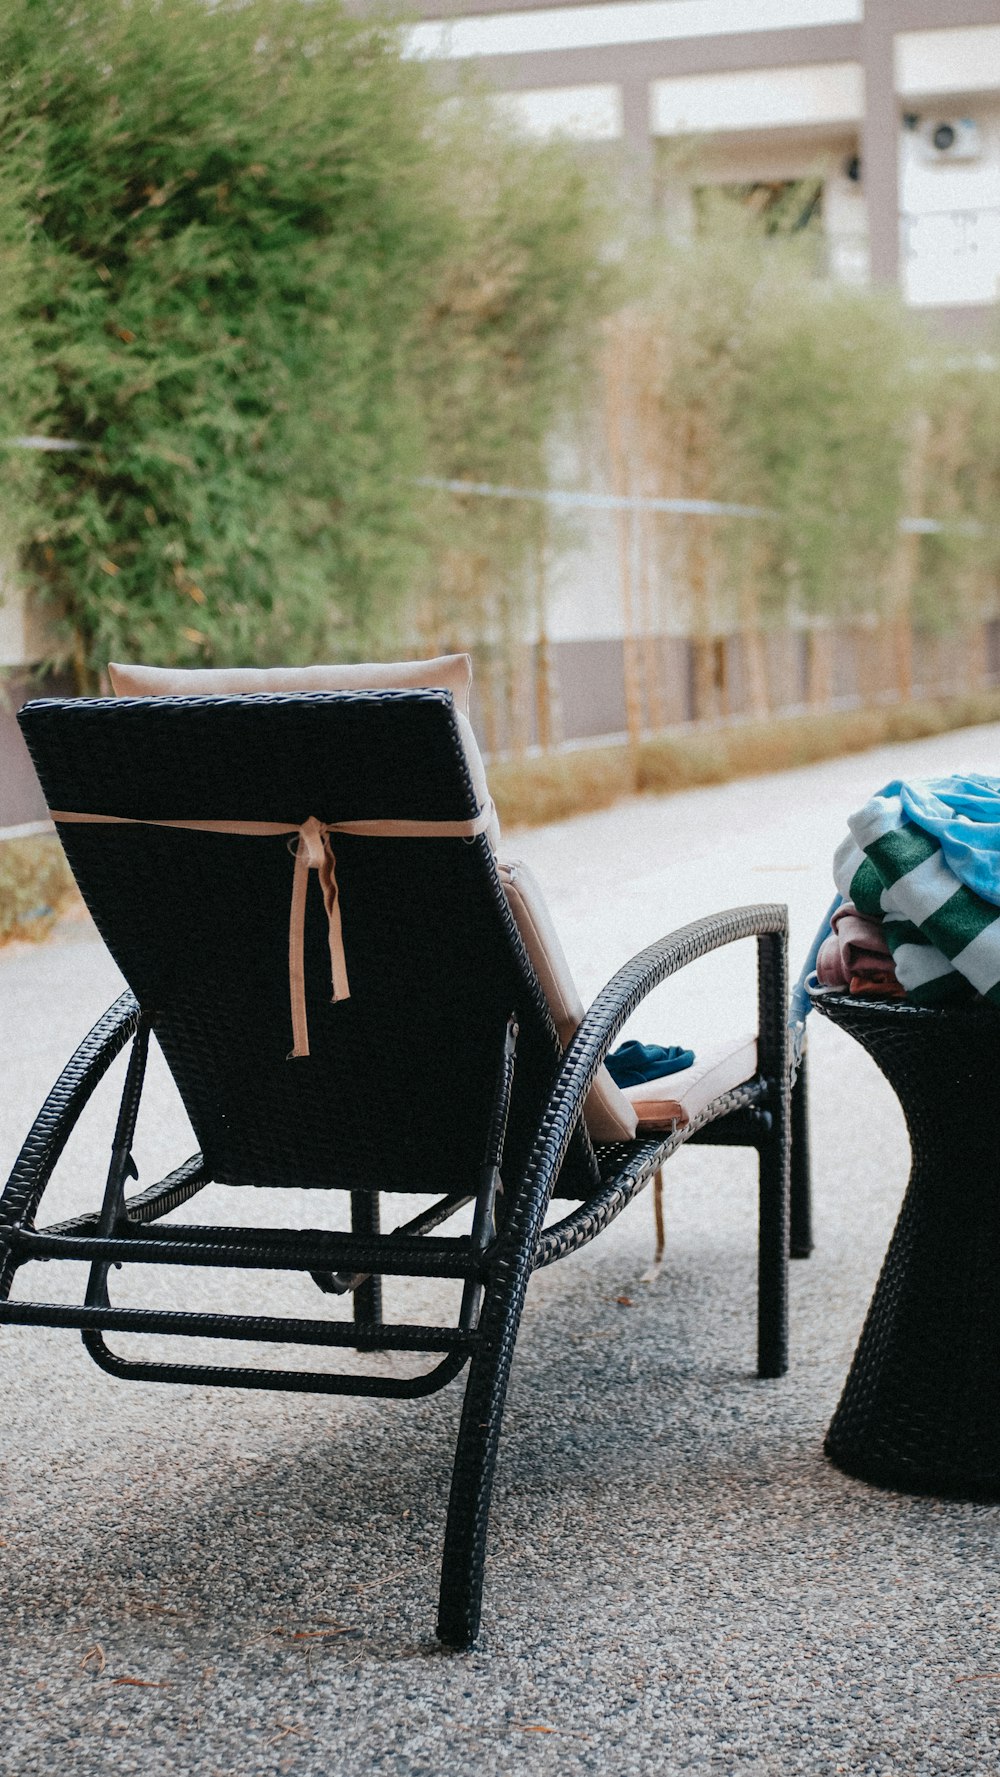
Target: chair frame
[(494, 1260)]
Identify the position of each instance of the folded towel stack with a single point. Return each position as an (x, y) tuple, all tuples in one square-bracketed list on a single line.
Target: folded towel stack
[(921, 865), (856, 956)]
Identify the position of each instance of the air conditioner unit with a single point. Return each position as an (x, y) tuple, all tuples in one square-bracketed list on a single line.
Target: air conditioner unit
[(950, 138)]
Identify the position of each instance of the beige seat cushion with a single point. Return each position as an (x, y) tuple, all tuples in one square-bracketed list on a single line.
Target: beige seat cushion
[(449, 672), (679, 1098), (607, 1113)]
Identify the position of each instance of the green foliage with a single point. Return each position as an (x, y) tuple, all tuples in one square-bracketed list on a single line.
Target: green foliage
[(777, 389), (516, 308), (508, 353), (24, 388), (251, 285), (823, 415), (235, 233), (959, 567)]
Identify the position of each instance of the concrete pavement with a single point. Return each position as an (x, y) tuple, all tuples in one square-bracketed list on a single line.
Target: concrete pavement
[(207, 1582)]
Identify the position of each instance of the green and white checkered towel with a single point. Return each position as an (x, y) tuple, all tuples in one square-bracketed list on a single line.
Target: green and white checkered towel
[(944, 938)]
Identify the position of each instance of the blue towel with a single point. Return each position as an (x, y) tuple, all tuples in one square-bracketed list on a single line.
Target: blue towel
[(963, 815), (632, 1063)]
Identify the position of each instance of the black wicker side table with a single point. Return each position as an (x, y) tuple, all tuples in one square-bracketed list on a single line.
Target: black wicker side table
[(920, 1409)]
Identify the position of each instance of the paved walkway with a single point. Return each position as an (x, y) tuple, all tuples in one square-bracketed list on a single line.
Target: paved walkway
[(215, 1583)]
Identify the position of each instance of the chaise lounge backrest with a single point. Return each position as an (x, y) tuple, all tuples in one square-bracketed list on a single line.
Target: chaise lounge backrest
[(395, 1092)]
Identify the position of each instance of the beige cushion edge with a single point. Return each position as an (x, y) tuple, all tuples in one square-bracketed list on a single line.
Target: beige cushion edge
[(447, 672), (607, 1112), (477, 772)]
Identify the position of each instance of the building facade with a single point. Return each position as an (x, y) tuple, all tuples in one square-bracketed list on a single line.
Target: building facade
[(893, 104)]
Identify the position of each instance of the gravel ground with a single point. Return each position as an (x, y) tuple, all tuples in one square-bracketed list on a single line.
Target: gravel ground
[(204, 1581)]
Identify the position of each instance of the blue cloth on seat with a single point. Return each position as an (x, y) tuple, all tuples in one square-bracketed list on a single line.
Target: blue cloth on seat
[(632, 1063)]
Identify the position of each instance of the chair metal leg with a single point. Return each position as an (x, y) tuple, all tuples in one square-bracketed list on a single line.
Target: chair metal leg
[(772, 1263), (464, 1555), (368, 1295), (122, 1165), (774, 1160), (55, 1122), (499, 1315), (801, 1244)]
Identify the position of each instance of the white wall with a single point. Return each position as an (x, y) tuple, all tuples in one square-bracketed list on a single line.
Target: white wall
[(950, 215), (584, 113), (629, 21), (964, 59), (845, 224), (758, 98)]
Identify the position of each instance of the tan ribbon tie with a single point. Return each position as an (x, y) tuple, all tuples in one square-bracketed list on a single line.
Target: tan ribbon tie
[(312, 850)]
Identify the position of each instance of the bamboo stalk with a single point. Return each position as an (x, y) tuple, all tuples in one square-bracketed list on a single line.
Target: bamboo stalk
[(906, 560), (548, 706), (616, 371), (698, 573), (648, 452), (517, 677), (819, 665), (758, 701), (648, 626)]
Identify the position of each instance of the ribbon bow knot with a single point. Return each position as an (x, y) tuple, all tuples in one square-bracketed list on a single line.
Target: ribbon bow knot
[(313, 851)]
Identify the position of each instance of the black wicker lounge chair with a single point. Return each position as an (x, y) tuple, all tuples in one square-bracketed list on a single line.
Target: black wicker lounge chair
[(442, 1073)]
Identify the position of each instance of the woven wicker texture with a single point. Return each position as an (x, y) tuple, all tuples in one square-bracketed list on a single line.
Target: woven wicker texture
[(406, 1084), (921, 1406), (55, 1122), (396, 1092)]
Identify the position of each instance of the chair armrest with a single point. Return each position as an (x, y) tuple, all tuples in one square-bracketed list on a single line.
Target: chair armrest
[(62, 1108), (767, 922), (631, 984)]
